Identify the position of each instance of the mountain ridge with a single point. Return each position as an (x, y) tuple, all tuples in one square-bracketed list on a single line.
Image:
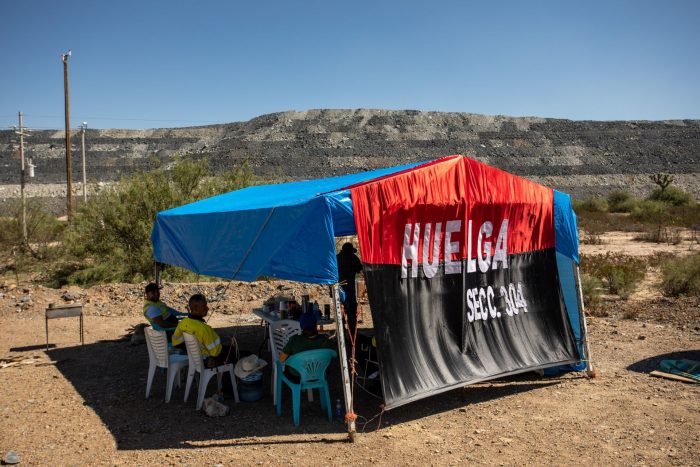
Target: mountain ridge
[(581, 157)]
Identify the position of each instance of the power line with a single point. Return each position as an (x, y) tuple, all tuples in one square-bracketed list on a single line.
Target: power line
[(119, 118)]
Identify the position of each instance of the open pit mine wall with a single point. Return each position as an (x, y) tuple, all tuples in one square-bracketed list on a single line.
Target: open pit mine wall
[(578, 157)]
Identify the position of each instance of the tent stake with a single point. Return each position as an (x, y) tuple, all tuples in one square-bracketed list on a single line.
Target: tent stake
[(342, 355), (590, 371)]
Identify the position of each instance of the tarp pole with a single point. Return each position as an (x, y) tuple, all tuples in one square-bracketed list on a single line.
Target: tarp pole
[(342, 356), (590, 371), (156, 273)]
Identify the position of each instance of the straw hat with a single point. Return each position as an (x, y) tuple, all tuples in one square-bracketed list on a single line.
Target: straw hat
[(246, 366)]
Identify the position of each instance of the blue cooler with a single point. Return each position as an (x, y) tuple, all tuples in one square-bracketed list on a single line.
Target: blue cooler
[(250, 388)]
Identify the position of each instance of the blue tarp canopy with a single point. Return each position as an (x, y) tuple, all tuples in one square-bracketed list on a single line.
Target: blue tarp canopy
[(285, 230)]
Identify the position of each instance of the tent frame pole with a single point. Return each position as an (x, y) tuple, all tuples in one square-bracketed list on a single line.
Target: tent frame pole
[(342, 356), (590, 371), (156, 272)]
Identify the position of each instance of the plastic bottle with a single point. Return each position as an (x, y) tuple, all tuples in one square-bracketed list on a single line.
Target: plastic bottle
[(338, 412)]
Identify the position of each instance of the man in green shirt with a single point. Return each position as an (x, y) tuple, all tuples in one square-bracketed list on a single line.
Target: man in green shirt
[(309, 339)]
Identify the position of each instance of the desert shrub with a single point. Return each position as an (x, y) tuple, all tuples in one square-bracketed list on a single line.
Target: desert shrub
[(597, 223), (631, 313), (681, 276), (686, 216), (673, 196), (648, 235), (674, 236), (109, 238), (661, 234), (657, 259), (591, 289), (621, 201), (651, 212), (619, 273), (42, 227), (592, 204), (590, 238)]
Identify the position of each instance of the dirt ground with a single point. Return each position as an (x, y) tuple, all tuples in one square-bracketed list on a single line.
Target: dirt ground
[(84, 405)]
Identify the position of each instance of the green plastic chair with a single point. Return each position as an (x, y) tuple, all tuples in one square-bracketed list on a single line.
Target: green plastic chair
[(311, 366)]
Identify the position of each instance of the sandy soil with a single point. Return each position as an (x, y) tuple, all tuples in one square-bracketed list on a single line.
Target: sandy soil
[(84, 405)]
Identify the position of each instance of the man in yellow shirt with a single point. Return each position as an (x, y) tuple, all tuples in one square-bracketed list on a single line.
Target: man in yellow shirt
[(213, 351)]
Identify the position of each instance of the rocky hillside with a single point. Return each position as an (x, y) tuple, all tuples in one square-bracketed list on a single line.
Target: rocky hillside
[(578, 157)]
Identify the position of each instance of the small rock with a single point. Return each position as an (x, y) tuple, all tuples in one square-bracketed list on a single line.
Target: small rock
[(67, 296), (641, 338), (11, 458)]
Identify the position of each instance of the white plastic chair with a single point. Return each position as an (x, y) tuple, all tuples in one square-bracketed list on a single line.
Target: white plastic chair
[(205, 374), (157, 344), (280, 332)]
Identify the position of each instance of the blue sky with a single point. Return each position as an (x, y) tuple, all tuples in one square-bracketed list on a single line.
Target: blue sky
[(149, 64)]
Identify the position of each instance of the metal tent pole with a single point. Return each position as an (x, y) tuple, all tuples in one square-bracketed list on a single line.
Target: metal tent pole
[(590, 371), (342, 356)]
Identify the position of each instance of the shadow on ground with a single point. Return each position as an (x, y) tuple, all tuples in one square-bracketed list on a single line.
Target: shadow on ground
[(652, 363), (110, 376)]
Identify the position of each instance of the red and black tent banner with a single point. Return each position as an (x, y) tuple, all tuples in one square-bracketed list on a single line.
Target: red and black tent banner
[(461, 275)]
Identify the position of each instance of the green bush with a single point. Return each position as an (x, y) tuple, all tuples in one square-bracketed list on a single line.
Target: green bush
[(621, 201), (681, 276), (591, 289), (597, 223), (619, 273), (109, 238), (651, 212), (673, 196), (686, 216), (43, 230), (42, 227), (592, 204)]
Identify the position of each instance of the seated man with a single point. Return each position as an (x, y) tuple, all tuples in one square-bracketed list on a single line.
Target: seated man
[(213, 352), (309, 339), (158, 314)]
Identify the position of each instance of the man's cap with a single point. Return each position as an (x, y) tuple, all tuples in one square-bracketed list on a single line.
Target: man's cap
[(307, 320), (347, 246), (152, 287)]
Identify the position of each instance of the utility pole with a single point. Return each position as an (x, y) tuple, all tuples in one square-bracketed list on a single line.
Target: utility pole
[(69, 170), (21, 181), (83, 127)]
